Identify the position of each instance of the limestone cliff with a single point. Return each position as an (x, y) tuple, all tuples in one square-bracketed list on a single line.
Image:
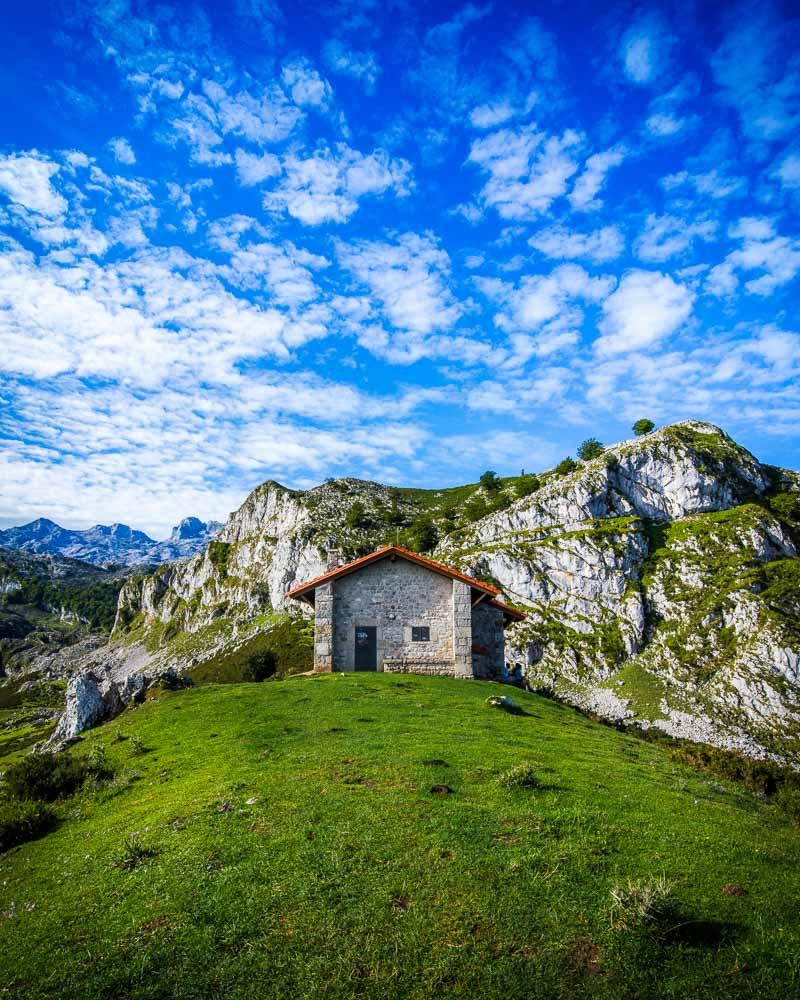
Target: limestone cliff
[(661, 579)]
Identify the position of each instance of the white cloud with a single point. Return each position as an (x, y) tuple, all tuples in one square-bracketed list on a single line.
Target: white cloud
[(540, 298), (776, 257), (527, 170), (252, 169), (788, 171), (646, 307), (327, 186), (713, 184), (756, 68), (667, 114), (494, 113), (159, 304), (468, 211), (583, 196), (307, 87), (26, 179), (664, 236), (122, 151), (491, 115), (204, 120), (150, 457), (358, 65), (645, 49), (602, 245), (408, 278), (285, 271), (542, 315)]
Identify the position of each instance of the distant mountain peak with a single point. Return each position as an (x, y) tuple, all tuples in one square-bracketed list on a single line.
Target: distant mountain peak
[(104, 544)]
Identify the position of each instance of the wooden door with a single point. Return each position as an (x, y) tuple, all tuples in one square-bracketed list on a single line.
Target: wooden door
[(366, 641)]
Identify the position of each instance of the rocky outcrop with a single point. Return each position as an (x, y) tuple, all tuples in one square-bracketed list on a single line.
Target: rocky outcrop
[(91, 699), (657, 579)]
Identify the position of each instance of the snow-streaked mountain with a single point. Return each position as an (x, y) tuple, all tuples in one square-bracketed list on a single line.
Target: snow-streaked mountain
[(105, 544)]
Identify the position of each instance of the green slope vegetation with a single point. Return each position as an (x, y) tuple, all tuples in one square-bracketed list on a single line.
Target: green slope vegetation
[(285, 840)]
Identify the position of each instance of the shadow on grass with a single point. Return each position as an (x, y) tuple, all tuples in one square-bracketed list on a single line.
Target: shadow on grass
[(701, 933)]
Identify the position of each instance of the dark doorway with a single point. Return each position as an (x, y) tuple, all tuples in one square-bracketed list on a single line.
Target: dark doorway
[(366, 647)]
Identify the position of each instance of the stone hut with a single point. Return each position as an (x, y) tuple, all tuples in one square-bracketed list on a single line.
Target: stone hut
[(396, 611)]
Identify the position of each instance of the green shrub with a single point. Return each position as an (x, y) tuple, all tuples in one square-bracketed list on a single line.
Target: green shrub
[(643, 426), (521, 776), (565, 466), (171, 680), (527, 485), (786, 505), (760, 776), (355, 516), (97, 764), (261, 665), (589, 449), (137, 746), (424, 535), (476, 507), (788, 800), (45, 776), (219, 554), (23, 821), (490, 481)]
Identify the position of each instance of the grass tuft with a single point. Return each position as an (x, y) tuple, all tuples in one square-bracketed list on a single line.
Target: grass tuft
[(640, 904), (133, 853), (521, 776)]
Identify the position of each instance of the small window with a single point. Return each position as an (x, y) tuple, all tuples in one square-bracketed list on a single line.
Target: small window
[(420, 633)]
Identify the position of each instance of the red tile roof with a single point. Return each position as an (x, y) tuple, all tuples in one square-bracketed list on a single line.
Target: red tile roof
[(302, 589), (508, 610)]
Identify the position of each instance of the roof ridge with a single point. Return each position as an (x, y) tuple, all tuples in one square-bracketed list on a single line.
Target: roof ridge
[(302, 588)]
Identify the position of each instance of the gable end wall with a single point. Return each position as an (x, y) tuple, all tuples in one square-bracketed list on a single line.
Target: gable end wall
[(394, 596)]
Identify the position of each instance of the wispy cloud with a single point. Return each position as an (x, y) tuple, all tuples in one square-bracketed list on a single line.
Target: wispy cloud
[(646, 307)]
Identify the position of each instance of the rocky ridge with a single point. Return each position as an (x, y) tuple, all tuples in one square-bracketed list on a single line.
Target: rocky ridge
[(107, 544), (661, 581)]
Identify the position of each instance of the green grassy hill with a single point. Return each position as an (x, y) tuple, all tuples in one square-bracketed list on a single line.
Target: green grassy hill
[(285, 840)]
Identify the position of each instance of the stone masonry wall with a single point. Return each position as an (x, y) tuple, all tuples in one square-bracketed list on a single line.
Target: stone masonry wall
[(323, 627), (462, 628), (488, 634), (393, 596)]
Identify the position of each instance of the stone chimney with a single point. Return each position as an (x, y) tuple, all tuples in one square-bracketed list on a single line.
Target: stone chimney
[(334, 556)]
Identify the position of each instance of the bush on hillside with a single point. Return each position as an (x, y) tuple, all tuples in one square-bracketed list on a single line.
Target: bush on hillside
[(490, 481), (356, 515), (45, 776), (788, 801), (423, 534), (133, 853), (565, 466), (527, 485), (643, 426), (261, 665), (761, 776), (589, 449), (786, 505), (97, 764), (23, 821), (476, 507)]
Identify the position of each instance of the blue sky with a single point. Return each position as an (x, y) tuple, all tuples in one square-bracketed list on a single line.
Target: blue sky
[(406, 242)]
